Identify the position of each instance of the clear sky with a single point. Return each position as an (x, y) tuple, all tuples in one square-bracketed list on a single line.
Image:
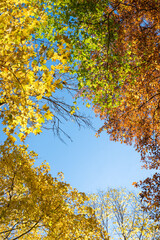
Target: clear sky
[(89, 163)]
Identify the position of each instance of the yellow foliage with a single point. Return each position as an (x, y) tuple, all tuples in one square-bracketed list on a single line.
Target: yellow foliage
[(120, 212), (25, 77), (34, 205), (37, 205)]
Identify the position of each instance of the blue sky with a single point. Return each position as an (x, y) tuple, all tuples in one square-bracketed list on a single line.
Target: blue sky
[(89, 163)]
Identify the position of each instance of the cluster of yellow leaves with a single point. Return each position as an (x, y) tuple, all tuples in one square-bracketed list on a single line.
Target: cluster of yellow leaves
[(36, 205), (25, 75), (120, 212)]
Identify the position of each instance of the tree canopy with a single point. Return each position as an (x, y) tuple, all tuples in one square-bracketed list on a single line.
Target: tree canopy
[(34, 205), (115, 54), (121, 215), (33, 70), (109, 49)]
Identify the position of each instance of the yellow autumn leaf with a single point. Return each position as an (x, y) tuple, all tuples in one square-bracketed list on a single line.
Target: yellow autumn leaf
[(21, 136)]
